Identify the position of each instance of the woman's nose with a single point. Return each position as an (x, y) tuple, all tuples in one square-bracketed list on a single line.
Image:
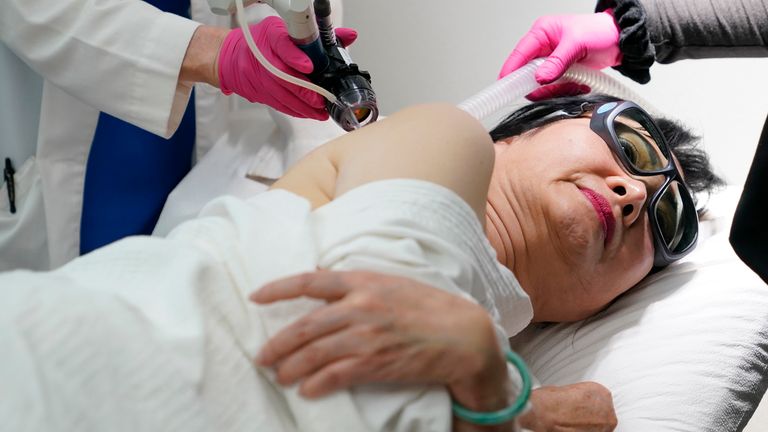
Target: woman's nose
[(631, 195)]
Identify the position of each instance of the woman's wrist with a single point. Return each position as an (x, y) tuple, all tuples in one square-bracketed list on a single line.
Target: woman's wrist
[(485, 385), (484, 396), (487, 389), (201, 58)]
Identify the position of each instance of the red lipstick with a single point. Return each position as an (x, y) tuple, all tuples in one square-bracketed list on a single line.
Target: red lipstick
[(604, 214)]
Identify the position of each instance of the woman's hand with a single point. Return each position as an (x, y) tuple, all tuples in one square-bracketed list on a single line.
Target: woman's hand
[(379, 328), (584, 407)]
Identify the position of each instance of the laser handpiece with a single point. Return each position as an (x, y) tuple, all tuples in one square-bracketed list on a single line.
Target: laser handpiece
[(350, 99)]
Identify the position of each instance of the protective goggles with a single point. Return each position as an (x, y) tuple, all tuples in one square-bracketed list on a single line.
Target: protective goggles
[(637, 142)]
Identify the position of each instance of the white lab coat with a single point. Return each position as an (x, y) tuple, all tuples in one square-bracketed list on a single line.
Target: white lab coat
[(121, 57)]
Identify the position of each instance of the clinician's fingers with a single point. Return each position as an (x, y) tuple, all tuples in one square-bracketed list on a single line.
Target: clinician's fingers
[(302, 101), (557, 90), (534, 44), (274, 101), (563, 56), (346, 36), (316, 324), (271, 97), (322, 285), (288, 52), (306, 103)]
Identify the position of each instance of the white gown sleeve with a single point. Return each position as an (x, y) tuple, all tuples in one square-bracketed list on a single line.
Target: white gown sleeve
[(159, 334), (122, 57), (424, 232), (150, 334)]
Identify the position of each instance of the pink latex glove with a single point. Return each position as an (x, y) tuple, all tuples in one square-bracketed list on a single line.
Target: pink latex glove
[(590, 39), (240, 72)]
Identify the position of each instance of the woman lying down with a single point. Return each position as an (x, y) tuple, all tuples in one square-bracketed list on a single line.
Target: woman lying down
[(572, 202)]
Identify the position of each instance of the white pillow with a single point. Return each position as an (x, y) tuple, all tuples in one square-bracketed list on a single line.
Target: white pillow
[(686, 350)]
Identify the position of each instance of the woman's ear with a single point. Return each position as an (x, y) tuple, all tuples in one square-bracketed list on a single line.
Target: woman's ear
[(506, 142), (502, 146)]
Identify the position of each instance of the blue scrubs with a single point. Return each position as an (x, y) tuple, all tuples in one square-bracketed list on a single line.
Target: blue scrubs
[(130, 172)]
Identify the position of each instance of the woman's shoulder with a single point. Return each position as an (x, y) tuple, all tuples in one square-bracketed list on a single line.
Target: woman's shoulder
[(438, 143)]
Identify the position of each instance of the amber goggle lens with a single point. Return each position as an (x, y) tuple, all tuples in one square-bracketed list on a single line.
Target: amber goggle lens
[(639, 141)]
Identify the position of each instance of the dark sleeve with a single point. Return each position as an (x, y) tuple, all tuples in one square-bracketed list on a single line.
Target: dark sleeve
[(638, 53), (687, 29), (749, 236)]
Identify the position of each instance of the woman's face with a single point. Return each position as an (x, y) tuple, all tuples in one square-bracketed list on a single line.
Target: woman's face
[(577, 221)]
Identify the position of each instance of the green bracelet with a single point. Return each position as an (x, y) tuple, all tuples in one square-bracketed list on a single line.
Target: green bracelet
[(508, 413)]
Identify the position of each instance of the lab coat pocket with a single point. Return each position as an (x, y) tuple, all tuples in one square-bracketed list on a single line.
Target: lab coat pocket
[(23, 234)]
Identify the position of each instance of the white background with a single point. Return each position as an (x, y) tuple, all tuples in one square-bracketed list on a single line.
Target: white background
[(430, 50)]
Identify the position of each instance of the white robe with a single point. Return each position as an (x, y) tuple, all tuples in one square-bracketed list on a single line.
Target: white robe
[(157, 334)]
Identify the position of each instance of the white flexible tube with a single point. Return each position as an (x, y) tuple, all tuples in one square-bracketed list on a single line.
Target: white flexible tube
[(269, 66), (519, 83), (600, 82), (502, 93)]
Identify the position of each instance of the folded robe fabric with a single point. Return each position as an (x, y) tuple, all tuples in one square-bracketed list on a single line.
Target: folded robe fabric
[(158, 334)]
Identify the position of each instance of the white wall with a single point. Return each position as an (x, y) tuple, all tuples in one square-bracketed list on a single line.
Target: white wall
[(430, 50)]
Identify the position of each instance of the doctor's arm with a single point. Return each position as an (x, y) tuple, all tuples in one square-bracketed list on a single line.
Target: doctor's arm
[(631, 35), (131, 60), (120, 57)]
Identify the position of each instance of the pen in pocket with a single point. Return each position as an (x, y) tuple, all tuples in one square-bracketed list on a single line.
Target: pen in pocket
[(8, 173)]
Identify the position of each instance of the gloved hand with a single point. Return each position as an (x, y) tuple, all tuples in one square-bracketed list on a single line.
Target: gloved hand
[(239, 71), (590, 39)]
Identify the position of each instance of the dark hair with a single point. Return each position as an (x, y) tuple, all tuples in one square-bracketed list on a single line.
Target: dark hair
[(697, 170)]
